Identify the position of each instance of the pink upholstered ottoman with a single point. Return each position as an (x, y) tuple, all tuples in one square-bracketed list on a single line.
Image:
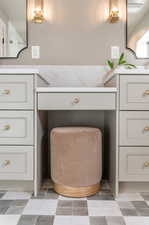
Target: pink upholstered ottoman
[(76, 160)]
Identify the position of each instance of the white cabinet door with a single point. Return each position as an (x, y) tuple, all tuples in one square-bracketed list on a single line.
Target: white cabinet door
[(16, 128), (134, 128), (16, 91), (16, 163), (134, 164), (134, 92)]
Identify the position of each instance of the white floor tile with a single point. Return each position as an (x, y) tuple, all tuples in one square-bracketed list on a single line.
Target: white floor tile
[(69, 220), (16, 196), (136, 220), (9, 219), (40, 207), (103, 208), (129, 197)]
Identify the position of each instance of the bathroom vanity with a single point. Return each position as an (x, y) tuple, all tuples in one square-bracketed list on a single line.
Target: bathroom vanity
[(26, 99)]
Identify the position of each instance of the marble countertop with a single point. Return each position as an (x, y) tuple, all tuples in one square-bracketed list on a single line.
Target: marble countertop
[(140, 70), (18, 70), (76, 90)]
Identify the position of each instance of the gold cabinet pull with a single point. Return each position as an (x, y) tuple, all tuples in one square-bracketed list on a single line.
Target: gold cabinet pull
[(6, 92), (146, 129), (7, 162), (76, 100), (146, 93), (146, 164), (7, 127)]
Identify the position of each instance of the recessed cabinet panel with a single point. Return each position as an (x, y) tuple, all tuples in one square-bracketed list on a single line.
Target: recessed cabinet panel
[(16, 128), (16, 91), (134, 164), (76, 101), (134, 128), (134, 92), (16, 163)]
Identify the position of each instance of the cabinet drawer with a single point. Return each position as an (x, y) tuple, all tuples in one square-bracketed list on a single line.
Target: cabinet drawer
[(16, 163), (134, 128), (134, 92), (134, 164), (16, 128), (76, 101), (16, 91)]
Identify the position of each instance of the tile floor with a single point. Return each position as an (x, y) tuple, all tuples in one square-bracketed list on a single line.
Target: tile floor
[(18, 208)]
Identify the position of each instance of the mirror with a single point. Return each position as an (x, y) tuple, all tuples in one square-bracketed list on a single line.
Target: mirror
[(137, 35), (13, 27)]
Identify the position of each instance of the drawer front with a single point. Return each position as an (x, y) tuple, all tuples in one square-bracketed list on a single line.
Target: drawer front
[(134, 92), (134, 128), (16, 128), (16, 91), (134, 164), (16, 163), (76, 101)]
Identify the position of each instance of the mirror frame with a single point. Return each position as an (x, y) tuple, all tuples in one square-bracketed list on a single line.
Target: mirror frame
[(17, 56), (134, 53)]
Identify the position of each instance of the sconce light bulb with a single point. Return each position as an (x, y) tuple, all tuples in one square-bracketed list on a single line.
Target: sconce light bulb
[(115, 9)]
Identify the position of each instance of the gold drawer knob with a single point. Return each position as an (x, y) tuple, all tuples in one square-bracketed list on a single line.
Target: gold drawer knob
[(146, 129), (146, 93), (7, 127), (7, 162), (76, 100), (6, 92), (146, 164)]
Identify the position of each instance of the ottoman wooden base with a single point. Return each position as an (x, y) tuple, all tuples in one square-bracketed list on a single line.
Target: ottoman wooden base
[(76, 192)]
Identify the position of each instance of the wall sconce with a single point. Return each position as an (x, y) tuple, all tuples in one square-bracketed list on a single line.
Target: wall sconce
[(113, 11), (39, 12)]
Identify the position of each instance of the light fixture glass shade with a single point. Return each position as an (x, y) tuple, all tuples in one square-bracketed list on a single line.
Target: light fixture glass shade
[(39, 12), (114, 11)]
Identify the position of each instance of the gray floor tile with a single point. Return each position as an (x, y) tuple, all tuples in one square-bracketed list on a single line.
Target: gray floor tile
[(46, 195), (64, 211), (79, 203), (3, 210), (111, 220), (80, 211), (5, 203), (28, 220), (103, 195), (98, 221), (14, 210), (65, 203), (45, 220), (126, 205), (129, 212), (19, 203), (140, 204), (143, 212)]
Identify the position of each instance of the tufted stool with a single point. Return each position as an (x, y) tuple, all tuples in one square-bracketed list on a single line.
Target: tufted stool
[(76, 160)]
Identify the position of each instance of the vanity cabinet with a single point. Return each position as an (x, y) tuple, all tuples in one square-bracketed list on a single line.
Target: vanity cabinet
[(132, 136), (16, 127), (134, 128)]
